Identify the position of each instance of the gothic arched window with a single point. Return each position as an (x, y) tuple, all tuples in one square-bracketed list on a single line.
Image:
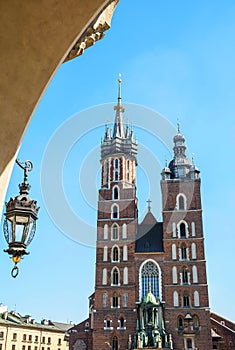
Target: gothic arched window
[(195, 275), (174, 275), (194, 251), (124, 231), (105, 231), (115, 211), (116, 192), (121, 322), (115, 232), (115, 254), (105, 253), (186, 301), (105, 299), (173, 251), (176, 299), (115, 276), (149, 277), (124, 299), (115, 301), (104, 276), (182, 229), (185, 276), (128, 170), (125, 275), (195, 322), (116, 170), (125, 253), (196, 298), (183, 252), (180, 322), (181, 202)]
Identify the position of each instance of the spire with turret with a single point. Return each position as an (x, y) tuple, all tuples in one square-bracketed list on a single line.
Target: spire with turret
[(122, 141)]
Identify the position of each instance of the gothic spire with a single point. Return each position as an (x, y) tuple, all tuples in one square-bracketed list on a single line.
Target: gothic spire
[(118, 130)]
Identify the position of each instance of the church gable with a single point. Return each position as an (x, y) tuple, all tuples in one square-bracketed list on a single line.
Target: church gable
[(149, 238)]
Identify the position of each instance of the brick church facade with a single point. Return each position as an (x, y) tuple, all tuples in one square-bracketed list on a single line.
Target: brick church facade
[(151, 287)]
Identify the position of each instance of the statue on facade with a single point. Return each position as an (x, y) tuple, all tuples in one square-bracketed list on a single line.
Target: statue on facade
[(150, 328)]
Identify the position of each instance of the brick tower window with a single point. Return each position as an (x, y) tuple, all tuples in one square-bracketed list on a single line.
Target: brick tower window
[(195, 323), (180, 322), (115, 232), (185, 276), (115, 343), (124, 299), (189, 343), (116, 192), (121, 322), (181, 202), (183, 252), (115, 301), (116, 170), (182, 229), (115, 277), (105, 299), (186, 302), (115, 211), (115, 254)]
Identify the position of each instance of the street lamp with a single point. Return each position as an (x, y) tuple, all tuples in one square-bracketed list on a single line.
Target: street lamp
[(20, 220)]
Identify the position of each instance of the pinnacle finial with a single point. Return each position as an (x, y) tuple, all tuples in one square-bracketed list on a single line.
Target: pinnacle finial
[(119, 87), (178, 125), (26, 166), (149, 204)]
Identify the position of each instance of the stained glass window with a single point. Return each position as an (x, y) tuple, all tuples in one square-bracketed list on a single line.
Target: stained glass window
[(150, 277)]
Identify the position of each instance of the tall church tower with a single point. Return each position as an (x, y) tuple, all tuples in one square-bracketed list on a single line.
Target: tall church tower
[(115, 287), (185, 290)]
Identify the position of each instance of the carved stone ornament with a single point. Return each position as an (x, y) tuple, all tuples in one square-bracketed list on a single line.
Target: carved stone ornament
[(95, 30)]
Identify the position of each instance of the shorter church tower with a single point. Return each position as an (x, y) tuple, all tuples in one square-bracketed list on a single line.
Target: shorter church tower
[(187, 311)]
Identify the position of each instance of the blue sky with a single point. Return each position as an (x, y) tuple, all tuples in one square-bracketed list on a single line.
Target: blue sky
[(177, 59)]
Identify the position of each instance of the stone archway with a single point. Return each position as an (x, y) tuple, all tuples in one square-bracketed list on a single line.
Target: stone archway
[(36, 38)]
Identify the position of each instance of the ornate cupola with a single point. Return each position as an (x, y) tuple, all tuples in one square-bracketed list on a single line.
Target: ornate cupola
[(180, 167)]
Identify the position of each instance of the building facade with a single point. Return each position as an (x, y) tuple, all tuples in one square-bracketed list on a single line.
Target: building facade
[(151, 286), (24, 333)]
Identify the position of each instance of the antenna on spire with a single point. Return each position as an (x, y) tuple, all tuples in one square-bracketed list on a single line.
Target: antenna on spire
[(119, 87)]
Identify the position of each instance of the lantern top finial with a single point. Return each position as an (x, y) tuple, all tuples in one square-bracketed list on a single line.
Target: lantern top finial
[(26, 166)]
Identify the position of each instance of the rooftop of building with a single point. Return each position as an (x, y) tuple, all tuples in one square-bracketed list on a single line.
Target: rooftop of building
[(14, 318), (149, 235)]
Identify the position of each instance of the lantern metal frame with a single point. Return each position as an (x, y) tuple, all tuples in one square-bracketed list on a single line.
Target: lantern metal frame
[(20, 220)]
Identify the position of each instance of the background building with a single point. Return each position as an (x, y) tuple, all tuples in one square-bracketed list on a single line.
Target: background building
[(24, 333)]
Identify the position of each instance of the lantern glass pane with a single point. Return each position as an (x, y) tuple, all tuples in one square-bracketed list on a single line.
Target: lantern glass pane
[(19, 229)]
